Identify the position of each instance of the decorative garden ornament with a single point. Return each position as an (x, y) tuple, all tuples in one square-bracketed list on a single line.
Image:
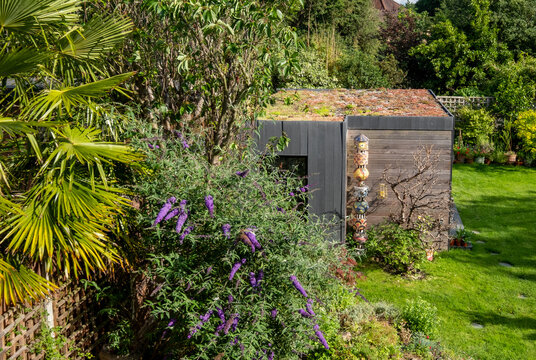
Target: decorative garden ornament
[(361, 173)]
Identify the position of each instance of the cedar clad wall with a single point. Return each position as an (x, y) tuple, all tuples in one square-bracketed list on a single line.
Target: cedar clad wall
[(393, 150)]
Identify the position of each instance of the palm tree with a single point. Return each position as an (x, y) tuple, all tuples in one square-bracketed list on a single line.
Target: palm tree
[(59, 204)]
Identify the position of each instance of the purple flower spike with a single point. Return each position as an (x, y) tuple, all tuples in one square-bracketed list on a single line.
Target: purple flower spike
[(260, 276), (209, 270), (206, 317), (235, 268), (221, 315), (185, 144), (291, 194), (226, 228), (185, 233), (251, 236), (150, 146), (274, 313), (242, 174), (157, 147), (172, 322), (297, 285), (309, 307), (271, 356), (235, 323), (304, 313), (182, 205), (178, 133), (252, 279), (231, 299), (164, 210), (209, 203), (247, 241), (180, 221), (171, 214), (321, 336)]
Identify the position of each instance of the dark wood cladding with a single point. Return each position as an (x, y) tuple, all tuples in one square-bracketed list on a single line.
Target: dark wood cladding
[(323, 143), (329, 148)]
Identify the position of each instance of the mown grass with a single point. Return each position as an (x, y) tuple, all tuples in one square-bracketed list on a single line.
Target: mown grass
[(470, 286)]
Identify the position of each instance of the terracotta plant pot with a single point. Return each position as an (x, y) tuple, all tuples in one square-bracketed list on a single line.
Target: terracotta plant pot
[(487, 161), (512, 158)]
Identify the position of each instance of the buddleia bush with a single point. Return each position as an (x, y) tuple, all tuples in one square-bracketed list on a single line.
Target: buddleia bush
[(241, 270)]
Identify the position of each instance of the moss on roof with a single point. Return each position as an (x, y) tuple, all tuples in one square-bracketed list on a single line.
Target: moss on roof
[(335, 105)]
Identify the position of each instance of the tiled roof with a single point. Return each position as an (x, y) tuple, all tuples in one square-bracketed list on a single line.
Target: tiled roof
[(335, 105)]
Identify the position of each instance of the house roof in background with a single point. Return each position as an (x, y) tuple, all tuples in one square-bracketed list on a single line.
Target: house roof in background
[(386, 5), (336, 104)]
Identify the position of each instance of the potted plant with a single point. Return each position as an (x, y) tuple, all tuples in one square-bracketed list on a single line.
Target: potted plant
[(512, 156), (461, 240), (470, 156), (480, 156), (460, 151)]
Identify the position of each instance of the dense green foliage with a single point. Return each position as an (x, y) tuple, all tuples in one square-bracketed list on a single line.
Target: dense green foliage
[(192, 263), (477, 125), (398, 250), (60, 205)]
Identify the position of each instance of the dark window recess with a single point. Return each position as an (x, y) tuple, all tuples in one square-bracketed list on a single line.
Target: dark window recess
[(295, 166)]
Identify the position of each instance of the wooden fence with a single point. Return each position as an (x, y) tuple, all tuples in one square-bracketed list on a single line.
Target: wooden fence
[(454, 102), (74, 311)]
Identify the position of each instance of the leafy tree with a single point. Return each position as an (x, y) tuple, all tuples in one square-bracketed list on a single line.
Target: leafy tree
[(57, 204), (515, 21), (430, 6), (207, 64), (455, 59)]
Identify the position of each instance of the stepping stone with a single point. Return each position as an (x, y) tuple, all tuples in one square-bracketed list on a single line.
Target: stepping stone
[(505, 264), (476, 232), (522, 296), (477, 325), (480, 242)]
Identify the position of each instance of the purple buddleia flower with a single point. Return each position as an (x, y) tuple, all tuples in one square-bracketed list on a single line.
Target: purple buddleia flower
[(291, 193), (321, 336), (274, 313), (230, 299), (221, 315), (234, 341), (204, 319), (185, 144), (271, 356), (235, 323), (260, 276), (228, 325), (182, 205), (304, 313), (157, 147), (171, 214), (252, 279), (164, 210), (309, 307), (179, 134), (226, 228), (304, 189), (209, 203), (172, 322), (185, 233), (150, 146), (281, 210), (235, 268), (209, 270), (297, 285), (242, 174), (251, 236), (247, 241), (180, 221)]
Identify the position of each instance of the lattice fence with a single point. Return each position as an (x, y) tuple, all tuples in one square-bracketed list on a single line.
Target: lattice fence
[(454, 102), (74, 312)]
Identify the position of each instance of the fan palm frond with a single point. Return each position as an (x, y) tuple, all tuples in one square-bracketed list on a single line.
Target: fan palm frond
[(14, 127), (96, 38), (69, 97), (18, 283), (20, 61), (27, 16)]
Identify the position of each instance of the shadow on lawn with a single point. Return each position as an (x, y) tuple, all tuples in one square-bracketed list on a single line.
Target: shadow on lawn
[(522, 322), (515, 215)]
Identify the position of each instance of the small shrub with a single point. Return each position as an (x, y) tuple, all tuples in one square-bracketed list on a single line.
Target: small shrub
[(477, 125), (386, 311), (396, 249), (525, 126), (420, 317)]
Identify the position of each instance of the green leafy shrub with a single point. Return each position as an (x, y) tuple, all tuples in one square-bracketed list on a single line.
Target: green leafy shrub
[(359, 70), (396, 249), (312, 72), (420, 317), (224, 281), (477, 125), (525, 126)]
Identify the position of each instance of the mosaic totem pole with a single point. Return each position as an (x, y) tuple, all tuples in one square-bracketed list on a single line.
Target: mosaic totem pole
[(361, 191)]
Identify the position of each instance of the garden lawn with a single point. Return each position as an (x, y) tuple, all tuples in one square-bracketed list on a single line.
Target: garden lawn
[(470, 286)]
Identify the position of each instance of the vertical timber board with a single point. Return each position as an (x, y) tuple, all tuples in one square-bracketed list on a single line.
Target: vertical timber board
[(297, 133), (267, 129)]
